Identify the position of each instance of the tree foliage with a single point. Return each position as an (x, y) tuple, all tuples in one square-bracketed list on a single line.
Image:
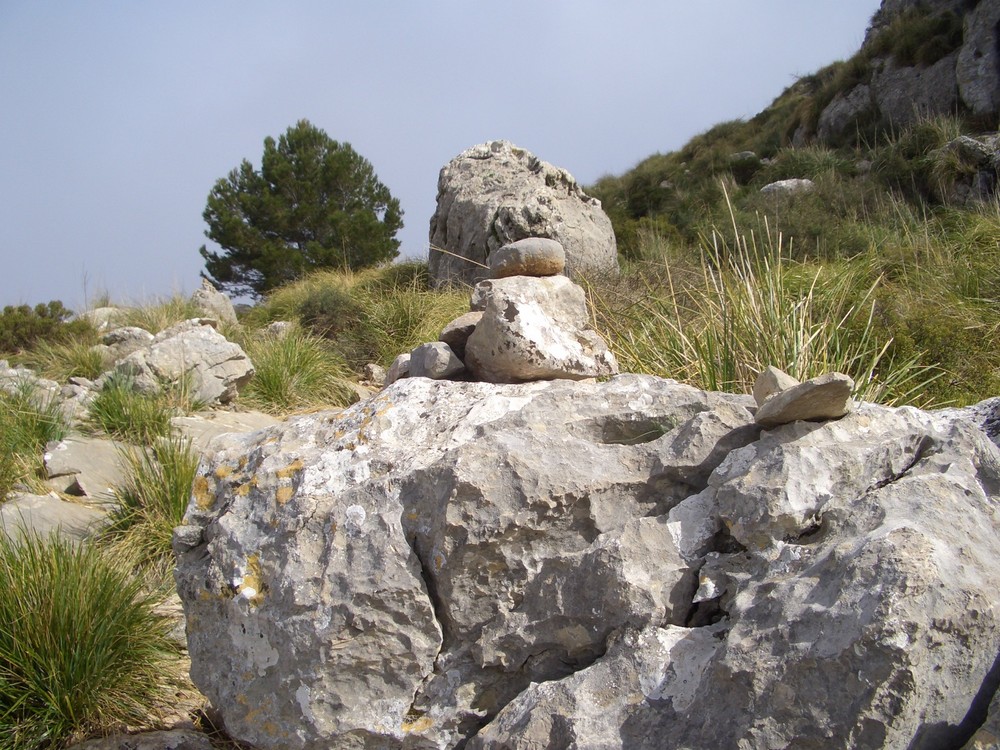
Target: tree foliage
[(315, 203), (22, 326)]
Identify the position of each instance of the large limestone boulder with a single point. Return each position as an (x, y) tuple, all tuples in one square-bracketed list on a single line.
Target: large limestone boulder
[(559, 564), (214, 367), (496, 193)]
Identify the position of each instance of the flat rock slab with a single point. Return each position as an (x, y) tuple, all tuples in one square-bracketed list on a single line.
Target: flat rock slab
[(825, 397), (85, 466), (174, 739), (202, 428), (45, 514)]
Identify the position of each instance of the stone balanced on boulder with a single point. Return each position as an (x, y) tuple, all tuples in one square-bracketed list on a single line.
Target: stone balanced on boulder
[(528, 322), (496, 193)]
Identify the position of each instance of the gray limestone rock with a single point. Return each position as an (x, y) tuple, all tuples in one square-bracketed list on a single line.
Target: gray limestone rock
[(121, 342), (532, 256), (86, 466), (105, 318), (213, 304), (434, 360), (978, 65), (559, 564), (852, 605), (771, 381), (794, 186), (907, 94), (400, 368), (456, 333), (496, 193), (45, 514), (398, 572), (534, 328), (170, 739), (205, 426), (192, 350), (841, 115), (825, 397)]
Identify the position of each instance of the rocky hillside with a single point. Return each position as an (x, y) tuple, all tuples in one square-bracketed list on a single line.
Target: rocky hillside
[(894, 158)]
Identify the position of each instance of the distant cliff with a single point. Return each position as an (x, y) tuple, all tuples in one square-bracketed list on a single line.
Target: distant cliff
[(918, 59)]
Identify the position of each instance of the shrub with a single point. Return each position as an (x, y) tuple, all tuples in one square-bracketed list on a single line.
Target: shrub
[(23, 327), (367, 316), (152, 497), (81, 649)]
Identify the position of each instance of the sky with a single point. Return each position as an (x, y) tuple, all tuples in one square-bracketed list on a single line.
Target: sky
[(117, 118)]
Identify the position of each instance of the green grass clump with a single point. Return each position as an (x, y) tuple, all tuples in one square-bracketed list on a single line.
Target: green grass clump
[(295, 370), (160, 314), (81, 650), (28, 420), (152, 497), (121, 412), (718, 323), (62, 360)]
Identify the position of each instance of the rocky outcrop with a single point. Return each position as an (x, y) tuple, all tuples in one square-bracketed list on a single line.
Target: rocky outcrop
[(496, 193), (192, 352), (794, 186), (560, 564), (213, 304), (897, 91)]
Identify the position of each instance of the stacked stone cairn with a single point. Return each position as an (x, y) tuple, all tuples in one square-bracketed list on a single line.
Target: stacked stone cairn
[(528, 322)]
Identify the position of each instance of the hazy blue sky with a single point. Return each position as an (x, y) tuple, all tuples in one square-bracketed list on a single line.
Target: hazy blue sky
[(116, 118)]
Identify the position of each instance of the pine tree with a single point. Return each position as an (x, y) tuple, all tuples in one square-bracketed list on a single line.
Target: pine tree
[(315, 203)]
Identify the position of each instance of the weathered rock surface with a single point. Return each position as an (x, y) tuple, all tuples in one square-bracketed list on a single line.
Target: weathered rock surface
[(86, 466), (769, 382), (193, 350), (534, 328), (400, 368), (45, 514), (907, 94), (214, 304), (456, 333), (496, 193), (173, 739), (965, 78), (434, 360), (558, 564), (978, 66)]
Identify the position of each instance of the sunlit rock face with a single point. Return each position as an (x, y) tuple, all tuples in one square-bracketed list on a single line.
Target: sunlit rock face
[(584, 564)]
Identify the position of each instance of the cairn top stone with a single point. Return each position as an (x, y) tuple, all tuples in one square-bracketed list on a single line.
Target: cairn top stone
[(532, 256), (817, 399)]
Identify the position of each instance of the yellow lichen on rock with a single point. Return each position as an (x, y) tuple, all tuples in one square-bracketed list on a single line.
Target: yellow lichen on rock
[(202, 491)]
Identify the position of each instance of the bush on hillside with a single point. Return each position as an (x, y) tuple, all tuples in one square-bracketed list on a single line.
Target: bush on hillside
[(23, 327)]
